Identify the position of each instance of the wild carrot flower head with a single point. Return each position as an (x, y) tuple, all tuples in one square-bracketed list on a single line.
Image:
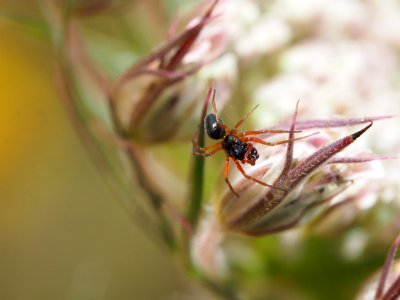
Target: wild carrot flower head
[(138, 110), (306, 178)]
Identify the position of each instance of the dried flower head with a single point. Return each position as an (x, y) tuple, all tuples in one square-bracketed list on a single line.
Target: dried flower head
[(153, 99)]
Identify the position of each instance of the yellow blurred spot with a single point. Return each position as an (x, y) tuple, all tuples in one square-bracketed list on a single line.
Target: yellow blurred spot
[(24, 88)]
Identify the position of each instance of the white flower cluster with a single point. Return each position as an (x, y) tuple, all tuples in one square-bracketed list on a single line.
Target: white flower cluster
[(337, 57), (340, 58)]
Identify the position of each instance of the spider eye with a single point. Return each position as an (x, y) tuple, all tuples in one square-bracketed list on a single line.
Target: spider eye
[(212, 127)]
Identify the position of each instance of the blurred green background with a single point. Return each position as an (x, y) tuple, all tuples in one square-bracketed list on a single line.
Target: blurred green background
[(63, 235)]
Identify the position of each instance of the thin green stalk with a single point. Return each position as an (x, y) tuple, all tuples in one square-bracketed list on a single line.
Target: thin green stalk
[(196, 198), (196, 193)]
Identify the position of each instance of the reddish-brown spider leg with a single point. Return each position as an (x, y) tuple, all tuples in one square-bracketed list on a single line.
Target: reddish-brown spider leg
[(257, 140), (227, 129), (197, 149), (257, 132), (214, 105), (239, 167), (226, 174), (202, 149), (242, 119), (209, 153)]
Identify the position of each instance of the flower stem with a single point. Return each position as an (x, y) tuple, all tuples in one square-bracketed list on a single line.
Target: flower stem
[(196, 193)]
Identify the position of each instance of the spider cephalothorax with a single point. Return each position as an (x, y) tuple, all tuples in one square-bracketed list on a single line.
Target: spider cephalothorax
[(238, 149)]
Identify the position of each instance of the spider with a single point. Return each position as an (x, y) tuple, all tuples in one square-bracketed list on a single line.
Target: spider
[(237, 146)]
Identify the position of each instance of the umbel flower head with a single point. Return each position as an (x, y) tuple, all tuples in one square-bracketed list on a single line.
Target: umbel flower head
[(301, 183), (137, 121)]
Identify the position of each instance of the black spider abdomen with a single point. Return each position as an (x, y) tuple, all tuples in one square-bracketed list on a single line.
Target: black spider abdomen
[(212, 128)]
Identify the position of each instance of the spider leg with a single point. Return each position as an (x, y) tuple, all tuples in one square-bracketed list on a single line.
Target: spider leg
[(257, 140), (226, 173), (202, 149), (257, 132), (209, 153), (197, 149), (227, 129), (239, 167), (242, 119), (214, 105)]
